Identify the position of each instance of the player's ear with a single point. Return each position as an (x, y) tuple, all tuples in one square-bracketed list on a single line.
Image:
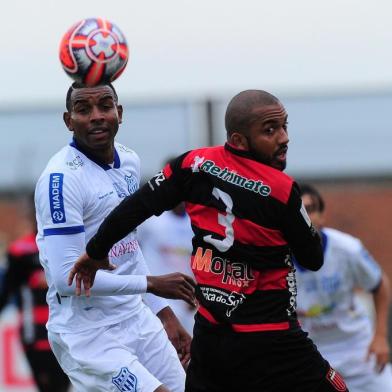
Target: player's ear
[(239, 140), (67, 120), (120, 113)]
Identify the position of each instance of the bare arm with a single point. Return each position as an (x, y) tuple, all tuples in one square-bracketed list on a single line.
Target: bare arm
[(178, 336), (379, 345)]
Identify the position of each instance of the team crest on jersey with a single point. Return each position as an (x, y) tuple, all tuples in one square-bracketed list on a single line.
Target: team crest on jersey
[(121, 193), (75, 163), (125, 381), (132, 184), (336, 380)]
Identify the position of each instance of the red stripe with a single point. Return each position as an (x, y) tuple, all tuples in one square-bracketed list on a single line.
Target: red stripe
[(262, 281), (205, 218), (248, 232), (245, 231), (247, 327), (10, 338), (167, 171), (218, 272), (23, 246), (206, 314), (95, 73), (279, 182), (42, 345), (261, 327), (41, 314), (272, 279), (37, 280)]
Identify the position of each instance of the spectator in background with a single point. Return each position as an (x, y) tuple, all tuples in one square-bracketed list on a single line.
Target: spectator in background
[(166, 242), (24, 278), (329, 310)]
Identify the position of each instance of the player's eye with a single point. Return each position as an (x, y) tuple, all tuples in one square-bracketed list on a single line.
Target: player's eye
[(81, 109)]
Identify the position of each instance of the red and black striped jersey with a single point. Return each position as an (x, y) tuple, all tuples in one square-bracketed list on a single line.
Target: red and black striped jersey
[(247, 220), (25, 278)]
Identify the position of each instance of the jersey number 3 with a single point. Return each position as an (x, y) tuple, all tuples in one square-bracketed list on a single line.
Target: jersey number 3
[(226, 221)]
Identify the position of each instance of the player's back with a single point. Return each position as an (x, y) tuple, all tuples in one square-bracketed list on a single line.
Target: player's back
[(241, 258)]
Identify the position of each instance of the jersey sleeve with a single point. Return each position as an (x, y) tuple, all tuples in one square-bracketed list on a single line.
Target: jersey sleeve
[(59, 204), (302, 237), (163, 192), (366, 271)]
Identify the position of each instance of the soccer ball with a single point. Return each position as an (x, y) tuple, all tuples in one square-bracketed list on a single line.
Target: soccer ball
[(94, 51)]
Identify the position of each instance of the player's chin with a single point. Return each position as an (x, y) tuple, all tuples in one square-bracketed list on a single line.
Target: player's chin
[(100, 141), (279, 164)]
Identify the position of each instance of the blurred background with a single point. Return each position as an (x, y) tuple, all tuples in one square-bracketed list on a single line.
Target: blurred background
[(330, 63)]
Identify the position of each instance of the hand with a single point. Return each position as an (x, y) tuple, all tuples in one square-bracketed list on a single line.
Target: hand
[(380, 348), (85, 269), (177, 334), (173, 286)]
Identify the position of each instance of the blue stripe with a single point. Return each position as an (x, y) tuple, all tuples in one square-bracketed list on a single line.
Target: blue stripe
[(324, 240), (64, 230)]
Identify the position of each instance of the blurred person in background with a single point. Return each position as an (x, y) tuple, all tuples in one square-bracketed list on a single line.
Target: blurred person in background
[(328, 308), (166, 242), (24, 280)]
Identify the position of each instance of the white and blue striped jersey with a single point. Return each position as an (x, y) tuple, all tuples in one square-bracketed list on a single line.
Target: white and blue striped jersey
[(328, 307), (73, 195)]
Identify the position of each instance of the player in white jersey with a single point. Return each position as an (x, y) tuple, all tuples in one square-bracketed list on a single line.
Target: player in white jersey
[(329, 309), (166, 242), (109, 341)]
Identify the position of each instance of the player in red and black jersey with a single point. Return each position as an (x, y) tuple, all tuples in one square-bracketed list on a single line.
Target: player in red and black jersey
[(24, 278), (248, 222)]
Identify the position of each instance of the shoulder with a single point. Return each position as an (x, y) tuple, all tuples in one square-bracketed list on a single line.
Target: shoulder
[(67, 160), (126, 152), (342, 240), (64, 172)]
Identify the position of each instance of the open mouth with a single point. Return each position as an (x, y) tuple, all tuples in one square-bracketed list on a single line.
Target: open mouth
[(281, 154), (99, 133)]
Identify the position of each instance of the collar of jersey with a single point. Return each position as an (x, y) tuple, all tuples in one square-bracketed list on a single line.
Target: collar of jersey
[(242, 153), (104, 166)]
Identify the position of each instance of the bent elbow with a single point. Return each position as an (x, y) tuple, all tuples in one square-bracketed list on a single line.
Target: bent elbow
[(314, 266), (312, 262)]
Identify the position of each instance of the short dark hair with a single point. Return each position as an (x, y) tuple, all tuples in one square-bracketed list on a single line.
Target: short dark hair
[(76, 85), (307, 189), (239, 110)]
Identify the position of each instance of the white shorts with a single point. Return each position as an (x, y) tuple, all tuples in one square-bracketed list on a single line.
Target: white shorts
[(378, 382), (132, 356)]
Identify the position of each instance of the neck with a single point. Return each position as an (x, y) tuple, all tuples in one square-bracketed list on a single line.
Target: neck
[(103, 155)]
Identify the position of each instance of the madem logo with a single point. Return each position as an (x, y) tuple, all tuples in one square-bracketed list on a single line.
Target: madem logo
[(233, 273), (56, 201)]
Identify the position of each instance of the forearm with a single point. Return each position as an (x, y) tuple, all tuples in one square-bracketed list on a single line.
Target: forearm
[(121, 221), (381, 303), (62, 251), (302, 237)]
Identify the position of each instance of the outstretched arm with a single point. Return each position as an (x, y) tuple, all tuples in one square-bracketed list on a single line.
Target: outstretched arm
[(379, 345)]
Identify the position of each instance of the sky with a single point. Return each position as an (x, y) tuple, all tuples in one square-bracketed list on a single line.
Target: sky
[(205, 48)]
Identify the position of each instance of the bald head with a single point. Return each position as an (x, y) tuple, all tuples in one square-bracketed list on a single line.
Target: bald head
[(239, 112)]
